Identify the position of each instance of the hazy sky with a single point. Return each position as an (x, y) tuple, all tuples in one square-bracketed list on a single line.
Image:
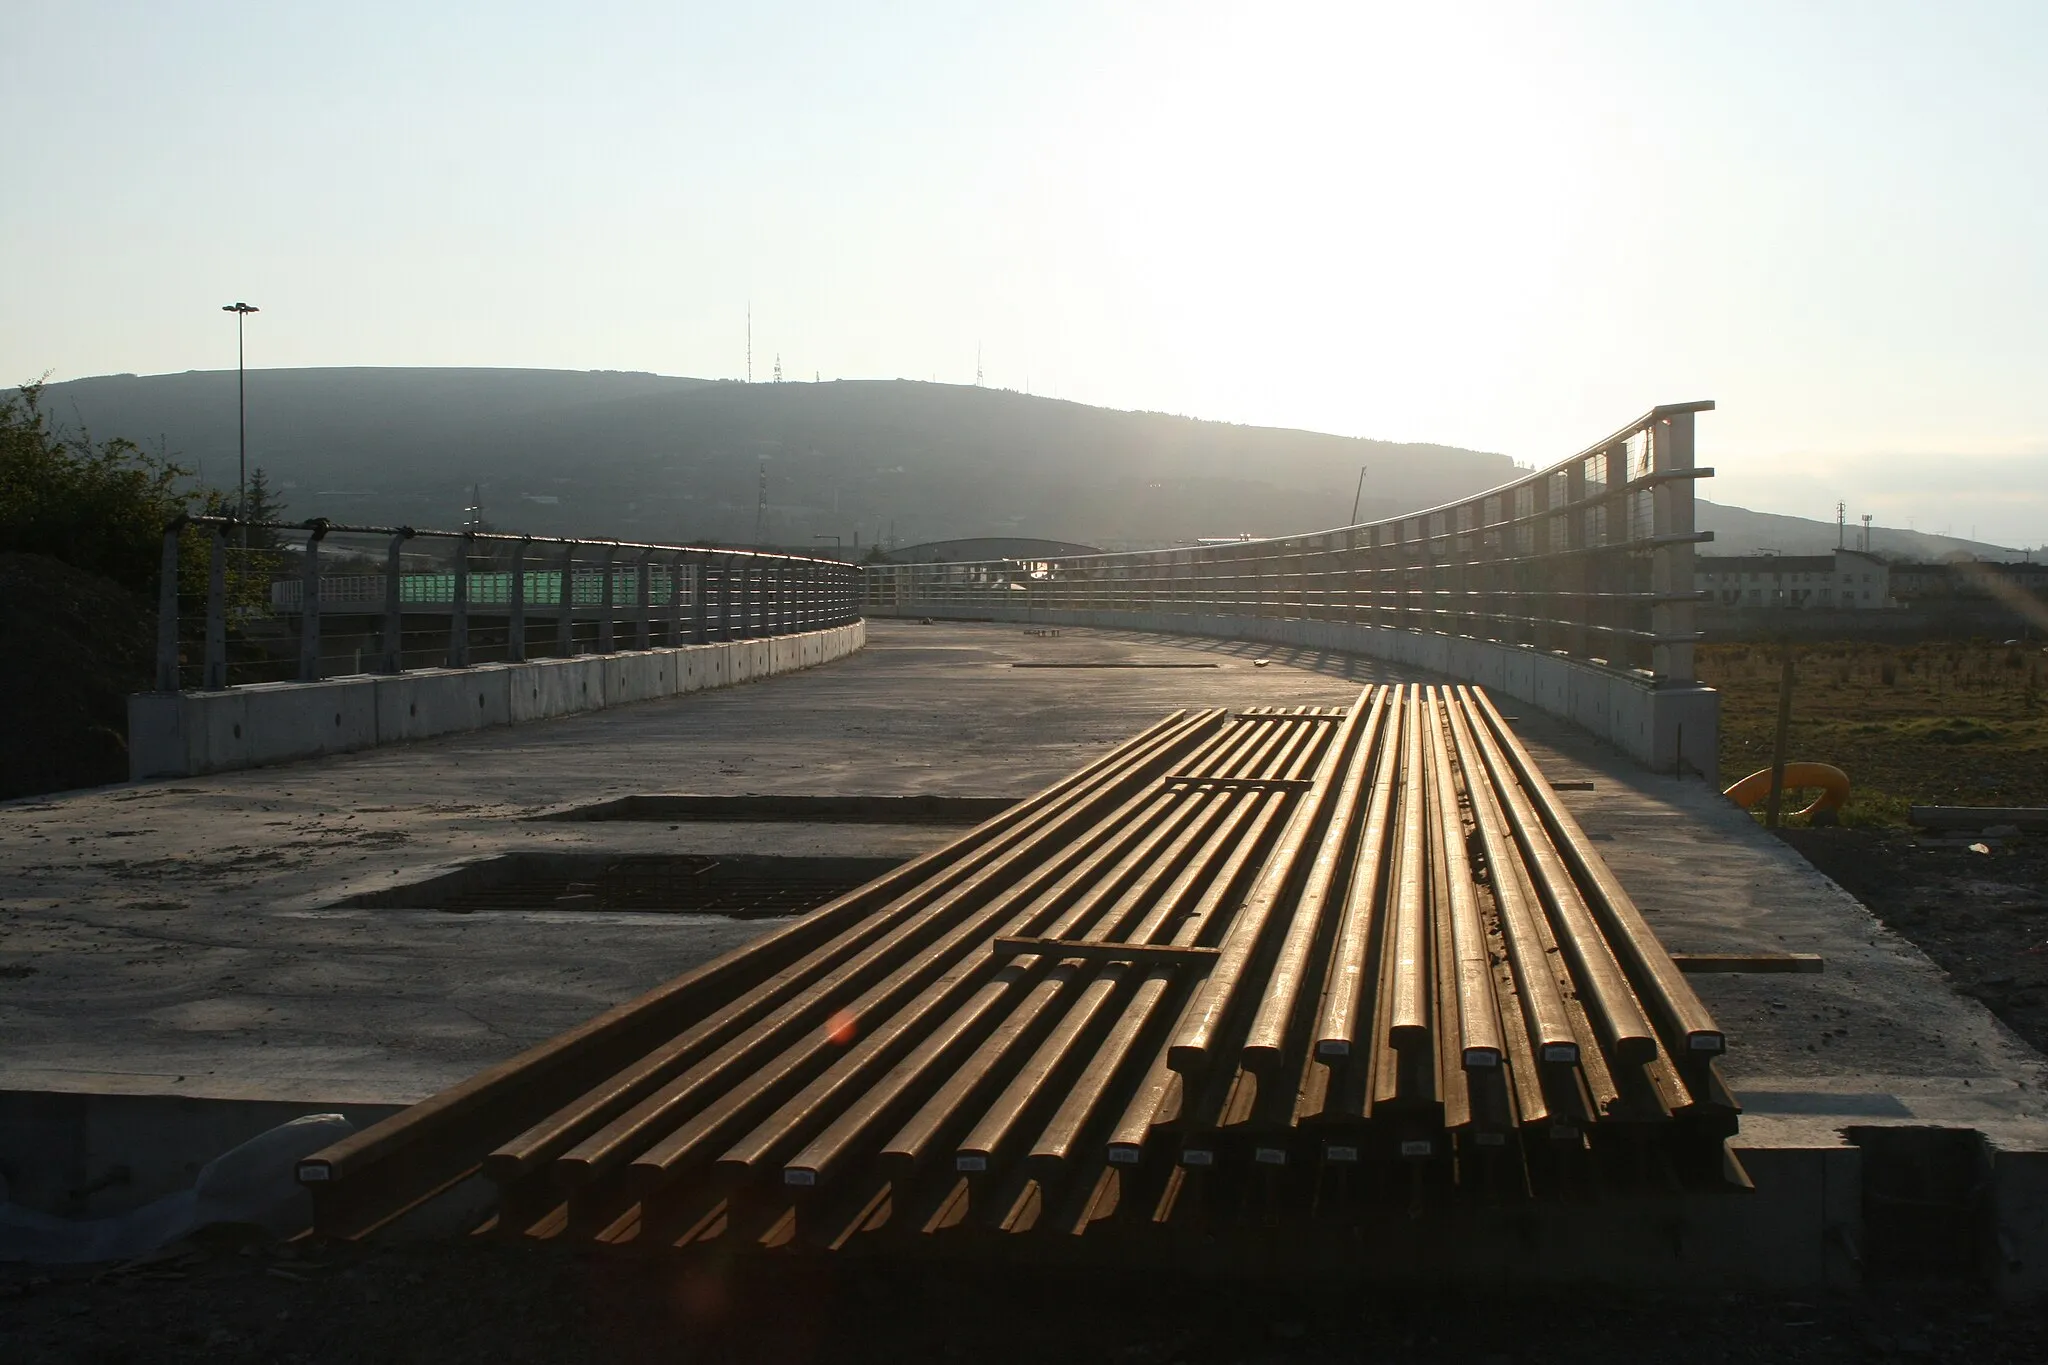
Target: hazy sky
[(1509, 226)]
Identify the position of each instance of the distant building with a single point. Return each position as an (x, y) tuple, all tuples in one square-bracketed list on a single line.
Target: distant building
[(1966, 578), (1845, 579)]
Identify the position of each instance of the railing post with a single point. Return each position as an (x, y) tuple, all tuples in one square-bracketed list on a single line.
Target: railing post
[(394, 603), (458, 611), (1671, 561), (1351, 575), (700, 600), (675, 600), (515, 625), (725, 595), (1579, 578), (608, 604), (167, 610), (216, 676), (309, 603), (644, 586), (565, 618)]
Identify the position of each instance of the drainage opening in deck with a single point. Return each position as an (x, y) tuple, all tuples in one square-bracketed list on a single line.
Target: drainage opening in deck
[(676, 807), (747, 886)]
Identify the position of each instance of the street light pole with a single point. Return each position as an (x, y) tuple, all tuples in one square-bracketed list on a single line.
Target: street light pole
[(1358, 493), (241, 310)]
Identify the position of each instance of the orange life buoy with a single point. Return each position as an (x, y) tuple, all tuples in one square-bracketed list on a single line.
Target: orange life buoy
[(1832, 781)]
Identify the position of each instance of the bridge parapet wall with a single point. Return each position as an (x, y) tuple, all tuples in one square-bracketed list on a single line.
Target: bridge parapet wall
[(183, 734), (1569, 589), (509, 629)]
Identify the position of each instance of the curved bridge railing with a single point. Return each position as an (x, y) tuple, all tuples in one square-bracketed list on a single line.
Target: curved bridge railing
[(386, 599), (1571, 587)]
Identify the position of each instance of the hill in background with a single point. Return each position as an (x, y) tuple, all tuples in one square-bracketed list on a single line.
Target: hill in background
[(1739, 531), (654, 457)]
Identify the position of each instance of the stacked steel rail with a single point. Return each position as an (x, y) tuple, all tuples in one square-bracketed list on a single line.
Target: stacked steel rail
[(1297, 962)]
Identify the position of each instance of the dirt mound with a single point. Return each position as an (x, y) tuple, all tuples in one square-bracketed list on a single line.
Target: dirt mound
[(73, 645)]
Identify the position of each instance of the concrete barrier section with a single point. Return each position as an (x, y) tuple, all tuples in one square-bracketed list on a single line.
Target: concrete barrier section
[(1662, 726), (557, 687), (182, 734), (436, 702)]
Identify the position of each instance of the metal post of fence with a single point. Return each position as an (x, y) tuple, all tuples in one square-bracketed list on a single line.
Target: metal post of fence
[(394, 603), (725, 625), (167, 610), (565, 618), (458, 613), (608, 602), (644, 590), (675, 600), (700, 600), (216, 676), (515, 625), (1671, 561), (309, 603)]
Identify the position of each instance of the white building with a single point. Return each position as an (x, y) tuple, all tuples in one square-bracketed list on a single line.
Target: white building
[(1844, 579)]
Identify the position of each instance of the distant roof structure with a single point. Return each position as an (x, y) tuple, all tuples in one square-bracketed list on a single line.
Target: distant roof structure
[(988, 547), (1777, 563)]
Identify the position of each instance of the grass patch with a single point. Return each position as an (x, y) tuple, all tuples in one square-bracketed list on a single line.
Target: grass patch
[(1922, 724)]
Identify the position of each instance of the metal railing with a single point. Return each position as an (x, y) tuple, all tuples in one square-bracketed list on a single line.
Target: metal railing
[(1590, 558), (267, 602)]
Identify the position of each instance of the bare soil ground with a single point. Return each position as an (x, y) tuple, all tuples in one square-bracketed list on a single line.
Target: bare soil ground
[(453, 1304), (1983, 916)]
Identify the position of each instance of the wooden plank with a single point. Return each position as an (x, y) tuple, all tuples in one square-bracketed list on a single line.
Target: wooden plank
[(1097, 950), (1805, 964), (2033, 819)]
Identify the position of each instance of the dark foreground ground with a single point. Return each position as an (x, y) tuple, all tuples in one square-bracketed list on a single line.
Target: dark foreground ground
[(454, 1304), (1977, 906)]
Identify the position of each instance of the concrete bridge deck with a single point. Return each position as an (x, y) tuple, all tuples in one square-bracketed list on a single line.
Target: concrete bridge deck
[(169, 939)]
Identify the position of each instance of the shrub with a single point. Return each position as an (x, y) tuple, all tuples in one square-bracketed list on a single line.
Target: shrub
[(100, 506)]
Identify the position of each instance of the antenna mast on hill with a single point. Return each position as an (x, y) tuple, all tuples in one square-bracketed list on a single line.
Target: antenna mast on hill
[(778, 367), (750, 341), (1866, 533), (977, 364), (1841, 526)]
